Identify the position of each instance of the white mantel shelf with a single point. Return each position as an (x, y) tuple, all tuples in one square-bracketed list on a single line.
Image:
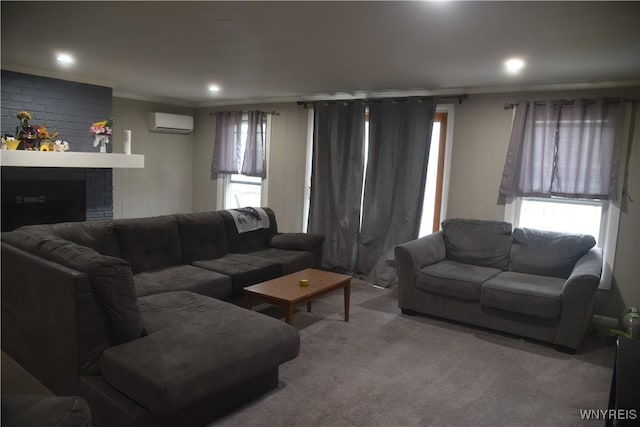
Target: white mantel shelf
[(46, 159)]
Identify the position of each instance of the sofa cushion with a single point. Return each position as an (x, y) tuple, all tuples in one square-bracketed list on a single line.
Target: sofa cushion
[(243, 269), (483, 243), (111, 279), (28, 240), (149, 243), (547, 253), (288, 260), (202, 235), (539, 296), (190, 278), (297, 241), (454, 279), (97, 235), (146, 287), (197, 346)]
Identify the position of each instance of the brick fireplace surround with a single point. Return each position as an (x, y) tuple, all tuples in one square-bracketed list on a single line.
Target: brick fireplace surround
[(68, 108)]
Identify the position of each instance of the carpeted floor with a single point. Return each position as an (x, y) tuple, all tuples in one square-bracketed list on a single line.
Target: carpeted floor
[(386, 369)]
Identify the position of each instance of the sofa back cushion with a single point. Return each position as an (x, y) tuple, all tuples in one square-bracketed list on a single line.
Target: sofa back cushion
[(547, 253), (251, 240), (203, 236), (477, 242), (97, 235), (112, 285), (149, 243), (111, 281)]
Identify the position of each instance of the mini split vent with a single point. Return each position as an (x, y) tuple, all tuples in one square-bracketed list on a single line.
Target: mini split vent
[(170, 123)]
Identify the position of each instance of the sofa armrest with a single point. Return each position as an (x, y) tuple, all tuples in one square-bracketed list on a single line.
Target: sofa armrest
[(421, 252), (578, 299), (43, 411), (589, 265), (297, 241)]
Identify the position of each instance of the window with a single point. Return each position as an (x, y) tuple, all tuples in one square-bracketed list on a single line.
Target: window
[(242, 191), (237, 190), (433, 202), (565, 151), (566, 215)]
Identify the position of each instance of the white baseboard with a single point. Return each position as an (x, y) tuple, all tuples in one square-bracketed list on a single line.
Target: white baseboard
[(608, 322)]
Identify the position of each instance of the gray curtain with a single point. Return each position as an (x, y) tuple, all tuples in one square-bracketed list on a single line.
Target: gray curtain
[(336, 180), (254, 163), (564, 149), (226, 151), (399, 141)]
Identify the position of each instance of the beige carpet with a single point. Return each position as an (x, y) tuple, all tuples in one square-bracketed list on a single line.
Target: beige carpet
[(386, 369)]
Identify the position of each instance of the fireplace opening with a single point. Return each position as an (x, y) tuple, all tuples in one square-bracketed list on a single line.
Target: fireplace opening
[(27, 202)]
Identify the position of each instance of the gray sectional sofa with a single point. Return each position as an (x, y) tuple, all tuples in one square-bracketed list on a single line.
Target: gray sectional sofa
[(131, 314), (531, 283)]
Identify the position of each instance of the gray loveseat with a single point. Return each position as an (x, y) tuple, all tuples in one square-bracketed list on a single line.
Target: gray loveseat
[(130, 314), (531, 283)]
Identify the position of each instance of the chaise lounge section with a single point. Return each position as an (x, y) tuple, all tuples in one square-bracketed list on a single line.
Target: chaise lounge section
[(531, 283), (120, 313)]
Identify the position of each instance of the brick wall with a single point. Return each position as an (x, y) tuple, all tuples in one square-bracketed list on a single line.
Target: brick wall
[(68, 108)]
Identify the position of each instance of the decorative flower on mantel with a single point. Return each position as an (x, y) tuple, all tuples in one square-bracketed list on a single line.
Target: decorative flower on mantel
[(101, 132), (101, 128)]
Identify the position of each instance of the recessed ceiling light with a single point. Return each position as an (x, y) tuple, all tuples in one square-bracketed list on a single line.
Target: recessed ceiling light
[(214, 88), (65, 59), (513, 65)]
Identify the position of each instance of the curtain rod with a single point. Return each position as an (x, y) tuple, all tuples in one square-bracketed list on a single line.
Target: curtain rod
[(511, 105), (273, 112), (460, 98)]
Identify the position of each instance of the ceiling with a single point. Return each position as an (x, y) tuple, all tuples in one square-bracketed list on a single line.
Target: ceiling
[(283, 51)]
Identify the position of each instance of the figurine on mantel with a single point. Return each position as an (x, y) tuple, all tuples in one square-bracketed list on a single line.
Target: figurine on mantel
[(34, 137), (26, 133), (101, 132)]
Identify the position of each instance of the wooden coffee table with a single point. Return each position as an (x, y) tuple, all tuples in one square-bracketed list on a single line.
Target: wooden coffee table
[(286, 291)]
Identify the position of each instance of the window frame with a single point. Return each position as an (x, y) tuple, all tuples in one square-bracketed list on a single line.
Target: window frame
[(224, 181), (601, 204), (445, 115)]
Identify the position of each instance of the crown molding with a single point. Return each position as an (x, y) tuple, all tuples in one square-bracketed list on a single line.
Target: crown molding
[(58, 75), (470, 90), (337, 96), (544, 87), (155, 99)]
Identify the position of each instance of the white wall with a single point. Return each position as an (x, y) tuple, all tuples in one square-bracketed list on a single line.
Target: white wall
[(164, 186), (285, 169), (480, 139)]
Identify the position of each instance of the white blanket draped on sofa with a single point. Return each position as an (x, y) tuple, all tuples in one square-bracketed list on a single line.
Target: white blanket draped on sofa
[(249, 219)]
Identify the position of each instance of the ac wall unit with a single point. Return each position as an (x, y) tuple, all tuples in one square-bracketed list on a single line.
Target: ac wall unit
[(170, 123)]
